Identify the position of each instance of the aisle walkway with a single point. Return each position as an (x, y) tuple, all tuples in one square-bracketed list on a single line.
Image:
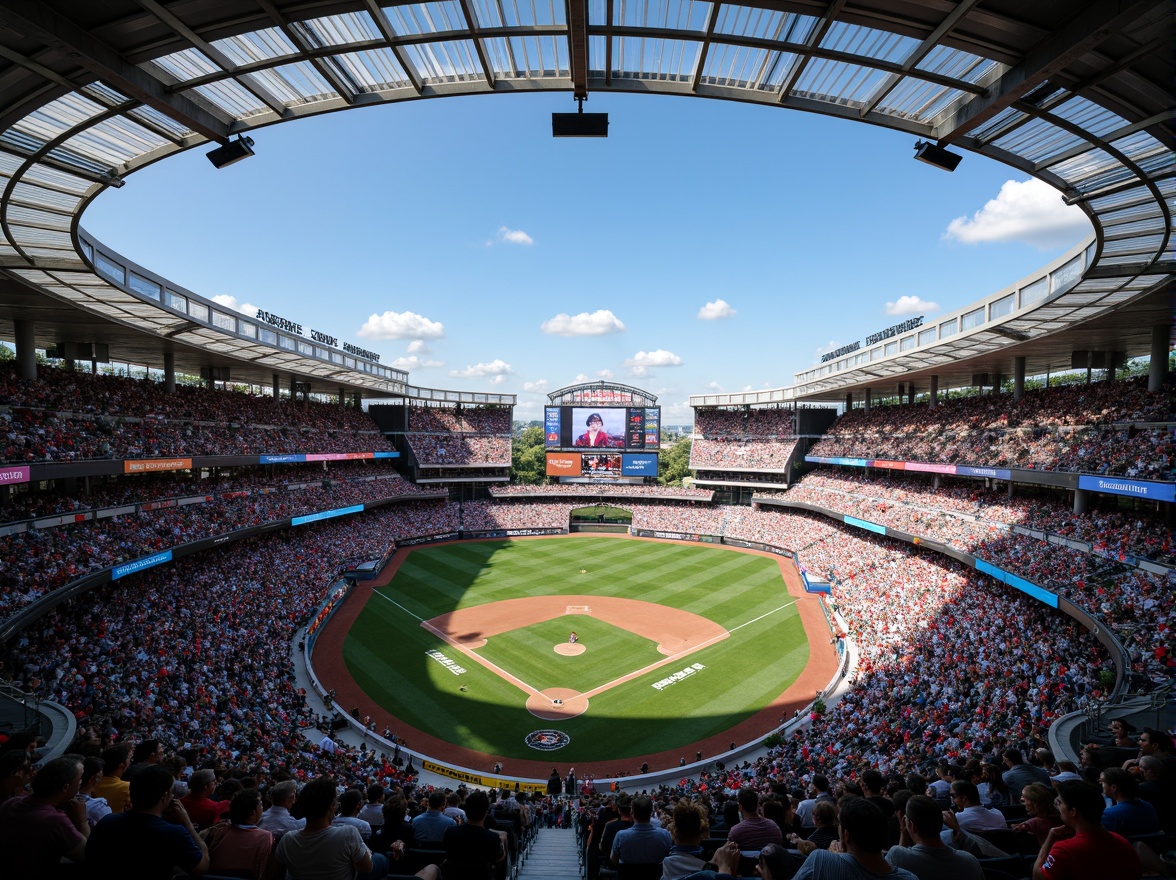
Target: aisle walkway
[(552, 856)]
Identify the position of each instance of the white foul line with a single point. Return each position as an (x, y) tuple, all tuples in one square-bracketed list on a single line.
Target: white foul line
[(523, 686)]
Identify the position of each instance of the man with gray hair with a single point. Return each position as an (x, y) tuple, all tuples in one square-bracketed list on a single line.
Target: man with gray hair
[(277, 819)]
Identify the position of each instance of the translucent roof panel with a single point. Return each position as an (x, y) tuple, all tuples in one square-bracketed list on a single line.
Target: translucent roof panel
[(267, 44), (957, 64), (1086, 167), (677, 14), (838, 82), (868, 42), (187, 65), (232, 98), (445, 61), (426, 18), (105, 94), (918, 99), (1038, 139), (58, 117), (524, 57), (764, 24), (297, 83), (156, 120), (340, 30), (510, 13), (1087, 115), (655, 59), (998, 124), (738, 66), (374, 70), (115, 141)]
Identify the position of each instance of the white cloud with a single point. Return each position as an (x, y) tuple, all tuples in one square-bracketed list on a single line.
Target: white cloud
[(415, 363), (536, 387), (713, 311), (514, 236), (910, 305), (604, 374), (641, 363), (714, 386), (659, 358), (417, 346), (1026, 211), (582, 377), (231, 302), (598, 323), (401, 325), (497, 368)]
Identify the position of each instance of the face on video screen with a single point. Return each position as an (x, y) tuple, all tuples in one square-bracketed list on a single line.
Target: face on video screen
[(598, 427)]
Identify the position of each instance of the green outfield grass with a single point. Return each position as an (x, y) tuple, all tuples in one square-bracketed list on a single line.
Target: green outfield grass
[(744, 593)]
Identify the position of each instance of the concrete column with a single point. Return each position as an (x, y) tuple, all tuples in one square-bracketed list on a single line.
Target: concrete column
[(997, 378), (277, 383), (848, 401), (169, 371), (1110, 377), (1010, 490), (935, 482), (1081, 500), (935, 391), (26, 349), (868, 402), (293, 396), (911, 393), (1161, 339), (342, 396), (901, 393), (1018, 377)]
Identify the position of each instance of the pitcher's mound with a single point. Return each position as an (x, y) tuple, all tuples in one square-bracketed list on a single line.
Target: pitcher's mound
[(568, 649), (556, 703)]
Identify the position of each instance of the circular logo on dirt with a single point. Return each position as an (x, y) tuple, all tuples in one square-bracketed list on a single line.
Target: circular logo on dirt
[(547, 740)]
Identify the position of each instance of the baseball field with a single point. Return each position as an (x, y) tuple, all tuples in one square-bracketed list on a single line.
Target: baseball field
[(472, 644)]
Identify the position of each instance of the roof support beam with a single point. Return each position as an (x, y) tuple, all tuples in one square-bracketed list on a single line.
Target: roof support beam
[(577, 14), (211, 51), (818, 34), (472, 24), (401, 56), (921, 51), (38, 21), (1053, 54), (346, 89)]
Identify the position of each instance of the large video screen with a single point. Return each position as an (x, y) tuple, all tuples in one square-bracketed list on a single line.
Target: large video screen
[(602, 427), (601, 465)]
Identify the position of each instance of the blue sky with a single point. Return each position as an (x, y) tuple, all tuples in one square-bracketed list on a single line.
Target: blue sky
[(704, 245)]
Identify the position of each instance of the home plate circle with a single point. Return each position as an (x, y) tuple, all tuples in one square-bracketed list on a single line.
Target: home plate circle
[(555, 704), (547, 740), (569, 650)]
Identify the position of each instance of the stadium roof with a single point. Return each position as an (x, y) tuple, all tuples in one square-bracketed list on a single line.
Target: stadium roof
[(1075, 93)]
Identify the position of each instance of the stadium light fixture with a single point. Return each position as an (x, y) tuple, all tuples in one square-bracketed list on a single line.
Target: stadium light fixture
[(579, 124), (233, 151), (932, 154), (111, 179)]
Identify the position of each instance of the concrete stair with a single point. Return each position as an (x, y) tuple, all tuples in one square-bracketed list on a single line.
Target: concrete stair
[(553, 856)]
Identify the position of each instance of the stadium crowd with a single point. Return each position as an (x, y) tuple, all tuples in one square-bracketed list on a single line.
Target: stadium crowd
[(1116, 428), (36, 561), (459, 449), (1139, 533), (955, 671), (69, 415), (742, 439), (437, 419), (119, 491)]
